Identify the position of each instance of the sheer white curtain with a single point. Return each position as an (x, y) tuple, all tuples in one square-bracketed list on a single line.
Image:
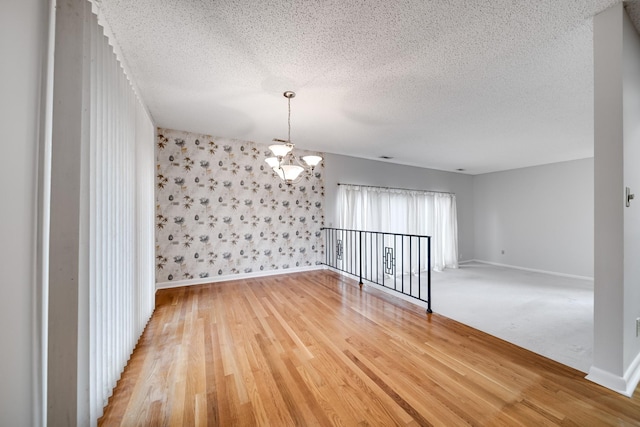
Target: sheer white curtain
[(404, 211)]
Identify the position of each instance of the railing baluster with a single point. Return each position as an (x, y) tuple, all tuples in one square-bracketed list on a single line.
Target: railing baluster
[(371, 256), (402, 263), (351, 254), (377, 261), (419, 259), (361, 246), (383, 261), (326, 248), (354, 252), (410, 273), (395, 255)]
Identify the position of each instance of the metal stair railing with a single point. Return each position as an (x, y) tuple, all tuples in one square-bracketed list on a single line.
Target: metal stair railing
[(390, 260)]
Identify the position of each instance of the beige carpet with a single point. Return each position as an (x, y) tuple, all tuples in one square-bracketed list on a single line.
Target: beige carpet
[(547, 314)]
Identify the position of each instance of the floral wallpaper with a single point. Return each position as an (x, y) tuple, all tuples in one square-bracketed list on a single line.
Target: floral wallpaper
[(220, 210)]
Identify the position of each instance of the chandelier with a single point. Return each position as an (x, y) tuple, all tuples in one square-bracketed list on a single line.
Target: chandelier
[(284, 162)]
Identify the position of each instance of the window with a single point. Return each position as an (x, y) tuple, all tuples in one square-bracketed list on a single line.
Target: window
[(404, 211)]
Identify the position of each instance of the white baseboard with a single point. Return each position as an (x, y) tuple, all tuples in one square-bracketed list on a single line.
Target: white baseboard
[(534, 270), (240, 276), (624, 385)]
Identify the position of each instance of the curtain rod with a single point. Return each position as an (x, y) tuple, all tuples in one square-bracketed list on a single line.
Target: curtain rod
[(397, 188)]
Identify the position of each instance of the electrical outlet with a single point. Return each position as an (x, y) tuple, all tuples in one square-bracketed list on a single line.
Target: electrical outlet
[(638, 326)]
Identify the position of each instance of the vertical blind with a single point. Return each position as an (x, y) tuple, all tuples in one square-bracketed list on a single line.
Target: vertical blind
[(121, 248), (404, 211)]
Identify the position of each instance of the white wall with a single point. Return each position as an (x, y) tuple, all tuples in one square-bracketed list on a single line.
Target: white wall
[(23, 38), (616, 352), (631, 151), (351, 170), (542, 217)]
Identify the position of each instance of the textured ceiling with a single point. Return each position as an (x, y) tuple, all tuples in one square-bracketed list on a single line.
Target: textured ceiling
[(475, 85)]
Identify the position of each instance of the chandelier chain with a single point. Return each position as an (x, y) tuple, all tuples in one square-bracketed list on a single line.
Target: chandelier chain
[(289, 119)]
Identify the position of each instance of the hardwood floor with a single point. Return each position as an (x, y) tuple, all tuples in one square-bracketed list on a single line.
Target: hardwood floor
[(314, 349)]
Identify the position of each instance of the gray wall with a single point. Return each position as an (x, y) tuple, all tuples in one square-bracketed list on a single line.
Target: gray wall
[(351, 170), (542, 217)]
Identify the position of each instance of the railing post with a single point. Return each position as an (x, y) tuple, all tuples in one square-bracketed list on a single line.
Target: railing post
[(429, 275), (360, 256), (419, 272)]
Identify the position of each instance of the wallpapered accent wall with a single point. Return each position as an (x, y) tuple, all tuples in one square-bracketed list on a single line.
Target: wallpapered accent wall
[(220, 210)]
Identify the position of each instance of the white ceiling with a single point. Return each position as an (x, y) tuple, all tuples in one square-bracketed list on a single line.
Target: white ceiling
[(483, 85)]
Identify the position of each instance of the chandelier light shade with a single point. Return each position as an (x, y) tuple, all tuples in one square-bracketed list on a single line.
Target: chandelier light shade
[(280, 150), (272, 162), (291, 172), (284, 162), (312, 160), (279, 172)]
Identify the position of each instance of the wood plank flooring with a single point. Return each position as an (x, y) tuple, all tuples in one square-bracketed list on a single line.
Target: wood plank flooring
[(314, 349)]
